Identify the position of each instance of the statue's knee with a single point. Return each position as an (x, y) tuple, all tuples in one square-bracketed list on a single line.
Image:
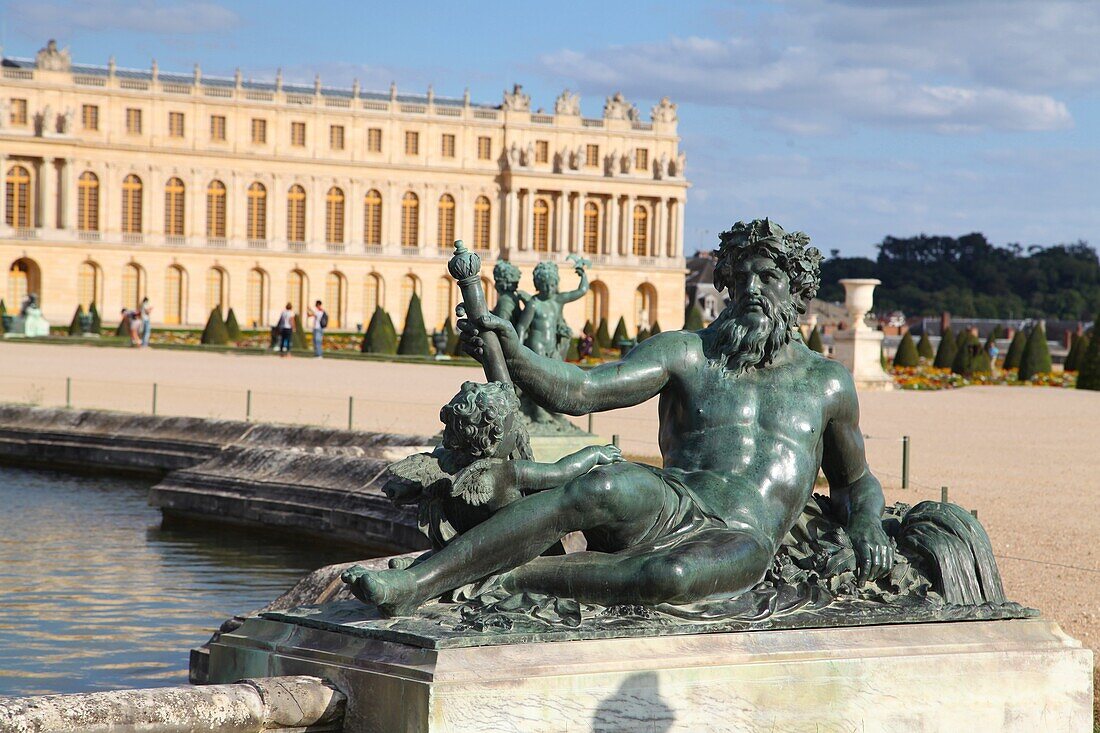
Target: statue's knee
[(667, 579), (591, 493)]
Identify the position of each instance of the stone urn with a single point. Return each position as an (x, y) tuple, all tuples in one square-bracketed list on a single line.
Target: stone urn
[(859, 298), (860, 347)]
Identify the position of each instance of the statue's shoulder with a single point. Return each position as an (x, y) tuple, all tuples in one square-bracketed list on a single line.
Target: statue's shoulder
[(682, 344)]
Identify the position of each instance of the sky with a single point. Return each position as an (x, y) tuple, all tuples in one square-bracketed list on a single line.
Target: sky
[(847, 119)]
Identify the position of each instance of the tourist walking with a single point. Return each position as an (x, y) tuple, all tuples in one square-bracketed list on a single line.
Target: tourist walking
[(286, 329), (320, 323), (146, 311)]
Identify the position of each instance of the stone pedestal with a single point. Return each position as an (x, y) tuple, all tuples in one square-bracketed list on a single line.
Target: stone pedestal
[(1015, 676), (860, 347)]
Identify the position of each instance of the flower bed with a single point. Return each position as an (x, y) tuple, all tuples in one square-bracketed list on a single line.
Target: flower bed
[(931, 378)]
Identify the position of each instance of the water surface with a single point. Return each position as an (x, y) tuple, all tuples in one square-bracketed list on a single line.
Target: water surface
[(95, 594)]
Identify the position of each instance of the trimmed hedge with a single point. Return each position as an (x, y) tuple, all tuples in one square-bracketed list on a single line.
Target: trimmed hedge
[(74, 325), (907, 355), (232, 327), (1036, 357), (215, 333), (945, 354), (381, 336), (1088, 373), (1015, 350), (620, 334), (814, 342), (693, 319), (414, 337)]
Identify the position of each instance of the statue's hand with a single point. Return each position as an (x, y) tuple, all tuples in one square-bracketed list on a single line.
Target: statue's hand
[(524, 297), (606, 454), (469, 333), (874, 553)]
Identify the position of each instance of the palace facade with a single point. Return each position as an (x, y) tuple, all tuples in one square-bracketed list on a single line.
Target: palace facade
[(198, 192)]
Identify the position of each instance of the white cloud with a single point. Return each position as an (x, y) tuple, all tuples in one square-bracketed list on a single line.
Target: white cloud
[(62, 19)]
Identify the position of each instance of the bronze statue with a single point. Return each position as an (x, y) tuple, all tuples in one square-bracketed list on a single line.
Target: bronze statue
[(542, 327)]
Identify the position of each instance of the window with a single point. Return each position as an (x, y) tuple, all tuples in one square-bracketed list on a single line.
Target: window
[(216, 290), (334, 215), (595, 303), (175, 124), (445, 234), (412, 143), (133, 121), (641, 159), (133, 285), (541, 230), (410, 286), (484, 148), (174, 288), (24, 277), (89, 116), (298, 134), (257, 211), (641, 231), (372, 219), (444, 300), (17, 193), (542, 151), (256, 305), (18, 111), (374, 294), (217, 128), (336, 137), (334, 298), (374, 140), (592, 156), (482, 210), (87, 202), (297, 291), (448, 145), (259, 131), (591, 228), (87, 285), (296, 214), (173, 207), (131, 205), (645, 306), (215, 209), (410, 220)]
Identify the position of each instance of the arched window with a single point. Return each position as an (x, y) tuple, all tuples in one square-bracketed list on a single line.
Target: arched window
[(173, 207), (256, 308), (640, 236), (217, 290), (410, 220), (372, 219), (482, 211), (297, 291), (296, 214), (374, 294), (444, 300), (131, 205), (133, 285), (445, 234), (335, 289), (257, 211), (541, 231), (490, 292), (175, 295), (215, 209), (17, 193), (595, 303), (89, 285), (87, 202), (645, 306), (410, 285), (334, 216), (591, 229), (24, 277)]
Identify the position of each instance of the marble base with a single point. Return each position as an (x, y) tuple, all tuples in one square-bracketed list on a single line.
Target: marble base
[(1016, 676), (861, 351)]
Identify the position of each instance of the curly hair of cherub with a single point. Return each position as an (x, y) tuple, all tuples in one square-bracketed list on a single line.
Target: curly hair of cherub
[(790, 250), (477, 418)]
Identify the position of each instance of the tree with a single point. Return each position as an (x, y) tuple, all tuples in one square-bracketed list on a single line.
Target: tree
[(215, 333), (924, 347), (1036, 357), (1073, 358), (232, 327), (693, 319), (573, 354), (963, 339), (74, 325), (1088, 373), (981, 362), (945, 354), (597, 352), (656, 329), (298, 338), (381, 336), (97, 324), (643, 334), (963, 363), (602, 335), (1015, 350), (620, 334), (814, 342), (414, 337), (454, 346), (906, 355)]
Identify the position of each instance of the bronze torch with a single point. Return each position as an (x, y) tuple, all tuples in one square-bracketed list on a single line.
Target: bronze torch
[(465, 267)]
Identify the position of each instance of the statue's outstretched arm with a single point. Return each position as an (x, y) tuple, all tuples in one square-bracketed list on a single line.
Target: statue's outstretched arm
[(534, 476), (580, 292)]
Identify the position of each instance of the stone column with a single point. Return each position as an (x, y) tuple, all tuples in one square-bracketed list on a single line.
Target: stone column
[(660, 242), (578, 223), (4, 197), (47, 182), (529, 220), (859, 347), (562, 211), (613, 217), (511, 223), (678, 241), (626, 242), (67, 194), (153, 201)]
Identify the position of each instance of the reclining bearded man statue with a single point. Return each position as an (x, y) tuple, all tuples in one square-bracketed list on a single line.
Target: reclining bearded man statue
[(748, 414)]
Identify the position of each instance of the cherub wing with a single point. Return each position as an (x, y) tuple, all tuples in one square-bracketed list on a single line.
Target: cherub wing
[(474, 484), (411, 478)]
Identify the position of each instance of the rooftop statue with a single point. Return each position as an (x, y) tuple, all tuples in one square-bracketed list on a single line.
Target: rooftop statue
[(729, 527)]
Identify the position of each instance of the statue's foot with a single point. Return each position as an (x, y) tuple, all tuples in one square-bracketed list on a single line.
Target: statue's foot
[(351, 578), (392, 591)]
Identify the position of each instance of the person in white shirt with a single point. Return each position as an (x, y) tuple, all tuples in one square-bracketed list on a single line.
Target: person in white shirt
[(286, 329), (320, 322)]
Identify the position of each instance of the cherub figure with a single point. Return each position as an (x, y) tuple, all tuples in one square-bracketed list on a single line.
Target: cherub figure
[(482, 465)]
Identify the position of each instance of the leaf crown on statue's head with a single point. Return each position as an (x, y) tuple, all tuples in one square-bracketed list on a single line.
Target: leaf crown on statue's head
[(789, 250)]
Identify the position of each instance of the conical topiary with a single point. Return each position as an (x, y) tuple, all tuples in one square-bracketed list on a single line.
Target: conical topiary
[(1088, 369), (97, 324), (453, 345), (655, 329), (980, 362), (1036, 357), (232, 328), (602, 335), (573, 354), (814, 342), (906, 355), (597, 352), (643, 335), (924, 347), (945, 354), (964, 337), (620, 335), (298, 338), (1015, 350), (1073, 358), (122, 330), (74, 325), (414, 337), (215, 333), (3, 308), (693, 319), (381, 336), (964, 355)]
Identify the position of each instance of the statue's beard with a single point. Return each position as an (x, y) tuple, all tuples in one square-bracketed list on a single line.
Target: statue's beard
[(742, 339)]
